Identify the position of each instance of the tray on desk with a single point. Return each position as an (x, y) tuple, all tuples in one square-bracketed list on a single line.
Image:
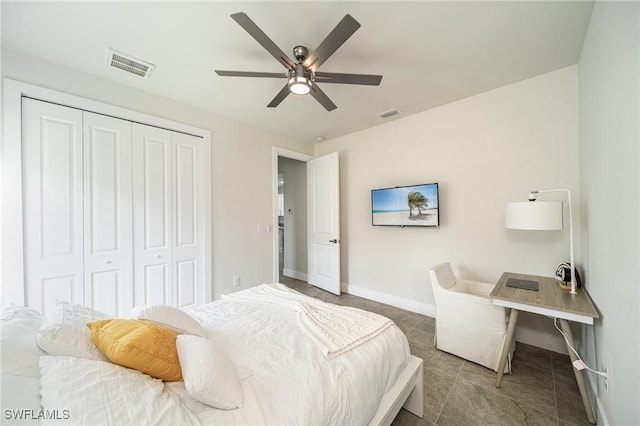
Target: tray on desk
[(524, 284)]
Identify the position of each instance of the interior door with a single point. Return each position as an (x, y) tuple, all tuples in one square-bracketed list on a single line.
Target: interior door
[(108, 222), (323, 222), (152, 215), (187, 219), (52, 191)]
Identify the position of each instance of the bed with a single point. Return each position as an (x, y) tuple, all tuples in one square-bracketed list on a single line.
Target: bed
[(295, 360)]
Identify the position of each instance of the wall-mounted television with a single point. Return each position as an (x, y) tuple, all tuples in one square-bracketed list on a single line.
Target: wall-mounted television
[(414, 205)]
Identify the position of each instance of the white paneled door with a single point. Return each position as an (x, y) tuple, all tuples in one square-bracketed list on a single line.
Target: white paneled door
[(108, 221), (152, 214), (53, 212), (188, 218), (78, 214), (168, 216), (323, 196)]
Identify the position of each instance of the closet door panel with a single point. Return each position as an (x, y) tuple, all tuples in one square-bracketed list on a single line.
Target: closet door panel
[(105, 291), (152, 200), (186, 282), (156, 284), (185, 193), (108, 220), (52, 188), (188, 219)]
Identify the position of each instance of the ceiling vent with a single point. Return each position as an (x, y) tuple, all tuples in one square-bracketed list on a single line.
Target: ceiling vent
[(390, 113), (128, 63)]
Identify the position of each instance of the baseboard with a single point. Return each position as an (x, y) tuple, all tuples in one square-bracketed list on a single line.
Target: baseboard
[(388, 299), (302, 276)]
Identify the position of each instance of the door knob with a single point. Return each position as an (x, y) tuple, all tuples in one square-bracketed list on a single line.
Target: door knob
[(158, 256), (334, 241)]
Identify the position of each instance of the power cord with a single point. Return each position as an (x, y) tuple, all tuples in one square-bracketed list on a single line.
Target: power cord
[(579, 364)]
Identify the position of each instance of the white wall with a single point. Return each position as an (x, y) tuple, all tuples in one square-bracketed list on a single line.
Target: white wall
[(295, 217), (610, 183), (484, 151), (241, 171)]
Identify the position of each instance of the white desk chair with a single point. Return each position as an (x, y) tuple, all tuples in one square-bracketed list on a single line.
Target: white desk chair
[(468, 324)]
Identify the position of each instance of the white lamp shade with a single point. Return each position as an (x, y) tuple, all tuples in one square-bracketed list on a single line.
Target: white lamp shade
[(534, 215)]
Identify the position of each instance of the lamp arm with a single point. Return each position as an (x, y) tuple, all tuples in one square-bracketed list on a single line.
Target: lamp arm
[(573, 265)]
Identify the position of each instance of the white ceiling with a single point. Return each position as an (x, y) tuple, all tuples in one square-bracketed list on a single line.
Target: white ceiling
[(430, 53)]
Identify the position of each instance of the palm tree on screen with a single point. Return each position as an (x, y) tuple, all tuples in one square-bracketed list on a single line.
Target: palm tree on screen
[(416, 200)]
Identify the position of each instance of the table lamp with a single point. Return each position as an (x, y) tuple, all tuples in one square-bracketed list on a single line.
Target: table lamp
[(540, 216)]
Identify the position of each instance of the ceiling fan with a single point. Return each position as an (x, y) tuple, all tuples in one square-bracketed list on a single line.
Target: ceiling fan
[(303, 75)]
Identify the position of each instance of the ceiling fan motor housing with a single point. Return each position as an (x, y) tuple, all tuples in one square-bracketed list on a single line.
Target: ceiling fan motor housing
[(300, 53)]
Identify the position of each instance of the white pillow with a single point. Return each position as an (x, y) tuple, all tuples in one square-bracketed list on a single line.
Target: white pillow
[(209, 375), (167, 316), (19, 350), (65, 333)]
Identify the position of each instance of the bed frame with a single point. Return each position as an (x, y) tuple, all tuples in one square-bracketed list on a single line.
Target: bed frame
[(407, 392)]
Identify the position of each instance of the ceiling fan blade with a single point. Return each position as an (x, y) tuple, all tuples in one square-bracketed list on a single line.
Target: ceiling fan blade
[(334, 77), (251, 74), (336, 38), (279, 97), (321, 97), (249, 26)]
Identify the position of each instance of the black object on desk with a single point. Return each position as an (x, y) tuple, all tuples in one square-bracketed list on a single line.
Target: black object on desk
[(525, 284)]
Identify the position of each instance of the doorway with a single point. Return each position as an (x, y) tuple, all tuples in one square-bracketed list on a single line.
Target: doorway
[(292, 218), (313, 189), (280, 156)]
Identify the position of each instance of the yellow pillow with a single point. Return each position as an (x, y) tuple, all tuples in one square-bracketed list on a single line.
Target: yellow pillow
[(138, 344)]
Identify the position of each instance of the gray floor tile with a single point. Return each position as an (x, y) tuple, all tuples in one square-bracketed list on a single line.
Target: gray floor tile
[(438, 384), (526, 385), (568, 399), (470, 404)]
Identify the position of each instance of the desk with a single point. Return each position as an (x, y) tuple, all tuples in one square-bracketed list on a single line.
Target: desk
[(552, 301)]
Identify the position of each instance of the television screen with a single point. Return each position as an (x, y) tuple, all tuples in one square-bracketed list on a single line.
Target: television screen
[(415, 205)]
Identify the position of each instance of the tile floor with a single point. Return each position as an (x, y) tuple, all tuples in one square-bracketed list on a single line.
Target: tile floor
[(540, 391)]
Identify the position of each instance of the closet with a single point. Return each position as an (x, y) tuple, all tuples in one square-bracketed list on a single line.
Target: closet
[(112, 210)]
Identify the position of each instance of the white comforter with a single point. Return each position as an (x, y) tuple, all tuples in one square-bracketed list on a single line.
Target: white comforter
[(87, 392), (286, 378), (335, 329)]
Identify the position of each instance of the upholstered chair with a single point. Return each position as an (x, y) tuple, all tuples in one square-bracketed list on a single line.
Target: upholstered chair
[(468, 324)]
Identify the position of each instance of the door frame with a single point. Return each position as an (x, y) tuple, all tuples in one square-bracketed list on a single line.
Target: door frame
[(11, 224), (294, 155)]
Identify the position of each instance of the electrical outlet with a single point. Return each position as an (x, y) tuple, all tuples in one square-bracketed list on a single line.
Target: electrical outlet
[(236, 281)]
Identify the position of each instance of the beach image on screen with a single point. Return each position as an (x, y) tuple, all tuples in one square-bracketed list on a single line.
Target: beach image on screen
[(406, 206)]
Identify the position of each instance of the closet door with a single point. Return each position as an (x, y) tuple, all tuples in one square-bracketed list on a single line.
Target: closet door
[(108, 220), (188, 219), (168, 217), (152, 177), (52, 194)]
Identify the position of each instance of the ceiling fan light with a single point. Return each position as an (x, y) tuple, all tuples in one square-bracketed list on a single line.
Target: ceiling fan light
[(299, 85)]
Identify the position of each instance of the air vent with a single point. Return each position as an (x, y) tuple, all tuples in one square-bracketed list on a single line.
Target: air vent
[(128, 63), (390, 113)]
